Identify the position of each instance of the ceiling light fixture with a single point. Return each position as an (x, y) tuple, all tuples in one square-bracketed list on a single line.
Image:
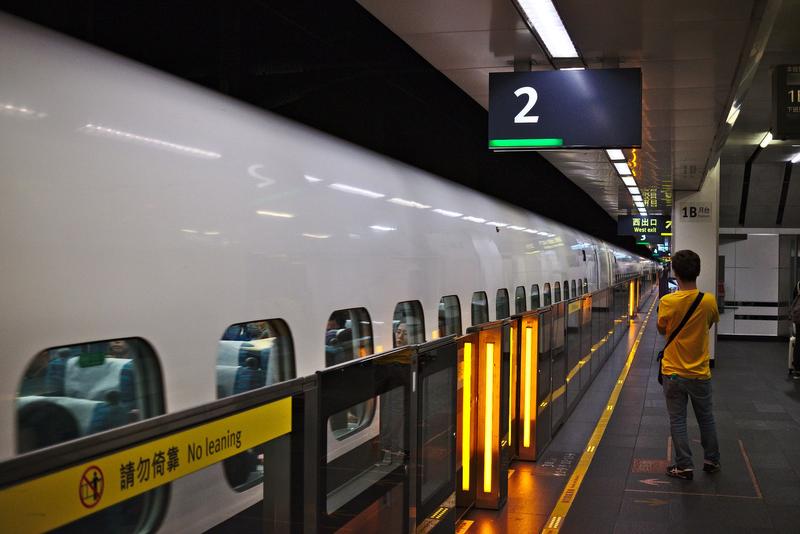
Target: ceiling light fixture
[(629, 181), (634, 190), (382, 228), (543, 17), (474, 219), (615, 154), (572, 68), (796, 158), (766, 140), (622, 168), (733, 114), (637, 198)]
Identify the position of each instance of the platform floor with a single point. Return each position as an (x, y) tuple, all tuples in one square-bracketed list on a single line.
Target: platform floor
[(757, 409)]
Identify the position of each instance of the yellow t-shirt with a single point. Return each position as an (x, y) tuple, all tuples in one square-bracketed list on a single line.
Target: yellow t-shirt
[(687, 356)]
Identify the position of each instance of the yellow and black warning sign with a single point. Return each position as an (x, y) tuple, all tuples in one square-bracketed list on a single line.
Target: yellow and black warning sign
[(65, 496)]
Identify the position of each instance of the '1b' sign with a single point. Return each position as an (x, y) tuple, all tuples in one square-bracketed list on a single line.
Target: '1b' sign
[(599, 108)]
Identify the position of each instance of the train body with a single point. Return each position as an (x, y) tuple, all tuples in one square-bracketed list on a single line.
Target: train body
[(134, 205)]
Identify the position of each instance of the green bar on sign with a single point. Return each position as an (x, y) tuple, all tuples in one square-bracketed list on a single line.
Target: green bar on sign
[(526, 143)]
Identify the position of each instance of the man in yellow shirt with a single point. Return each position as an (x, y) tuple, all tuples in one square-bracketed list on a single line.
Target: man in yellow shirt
[(685, 365)]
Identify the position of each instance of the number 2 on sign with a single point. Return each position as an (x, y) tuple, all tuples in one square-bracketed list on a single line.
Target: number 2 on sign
[(533, 96)]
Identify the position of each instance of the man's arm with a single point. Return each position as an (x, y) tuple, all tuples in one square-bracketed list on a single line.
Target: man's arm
[(662, 318)]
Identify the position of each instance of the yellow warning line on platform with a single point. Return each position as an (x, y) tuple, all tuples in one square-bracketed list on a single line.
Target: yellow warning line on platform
[(559, 513)]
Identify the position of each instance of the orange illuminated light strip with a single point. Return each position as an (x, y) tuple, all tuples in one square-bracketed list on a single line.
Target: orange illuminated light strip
[(513, 344), (487, 424), (466, 439), (526, 408)]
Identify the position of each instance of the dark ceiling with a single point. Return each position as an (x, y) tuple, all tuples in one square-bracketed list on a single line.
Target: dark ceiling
[(330, 65)]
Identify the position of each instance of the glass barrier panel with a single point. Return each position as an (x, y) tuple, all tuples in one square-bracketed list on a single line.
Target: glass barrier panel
[(573, 348)]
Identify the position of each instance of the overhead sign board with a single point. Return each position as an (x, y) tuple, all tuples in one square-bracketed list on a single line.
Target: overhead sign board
[(637, 226), (594, 108), (786, 102)]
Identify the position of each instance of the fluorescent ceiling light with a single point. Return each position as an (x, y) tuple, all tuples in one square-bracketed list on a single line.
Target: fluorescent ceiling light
[(637, 198), (275, 214), (188, 231), (643, 213), (382, 228), (408, 203), (447, 213), (622, 168), (312, 179), (356, 191), (498, 224), (634, 190), (796, 158), (316, 236), (733, 114), (639, 204), (513, 227), (532, 231), (210, 233), (615, 154), (542, 15), (474, 219), (630, 181), (766, 140), (572, 68)]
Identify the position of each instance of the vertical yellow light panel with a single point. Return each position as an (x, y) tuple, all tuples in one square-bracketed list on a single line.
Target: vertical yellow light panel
[(526, 387), (488, 449), (490, 425), (512, 406), (632, 300), (466, 419), (529, 357)]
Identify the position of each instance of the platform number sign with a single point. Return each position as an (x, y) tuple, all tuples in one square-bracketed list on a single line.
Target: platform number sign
[(533, 96), (593, 108), (695, 211)]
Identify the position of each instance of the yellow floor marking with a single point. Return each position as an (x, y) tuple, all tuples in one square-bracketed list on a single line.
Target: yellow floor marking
[(559, 513)]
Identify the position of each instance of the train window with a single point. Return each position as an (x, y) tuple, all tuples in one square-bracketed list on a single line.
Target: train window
[(519, 300), (548, 299), (574, 288), (585, 285), (501, 304), (449, 316), (480, 308), (77, 390), (535, 301), (566, 289), (557, 292), (408, 324), (252, 355), (348, 335)]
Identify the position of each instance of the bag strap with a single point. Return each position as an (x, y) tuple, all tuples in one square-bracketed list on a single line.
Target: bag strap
[(685, 319)]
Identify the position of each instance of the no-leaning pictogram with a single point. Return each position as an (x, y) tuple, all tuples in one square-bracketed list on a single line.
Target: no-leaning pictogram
[(91, 486)]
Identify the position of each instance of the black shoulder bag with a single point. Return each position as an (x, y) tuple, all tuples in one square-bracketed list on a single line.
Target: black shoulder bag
[(677, 331)]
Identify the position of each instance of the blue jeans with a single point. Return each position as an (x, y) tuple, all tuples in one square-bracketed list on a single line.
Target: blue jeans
[(678, 391)]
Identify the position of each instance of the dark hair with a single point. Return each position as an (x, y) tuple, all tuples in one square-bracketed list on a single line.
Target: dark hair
[(686, 265)]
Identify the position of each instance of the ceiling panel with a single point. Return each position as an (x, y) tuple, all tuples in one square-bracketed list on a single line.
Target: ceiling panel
[(688, 50)]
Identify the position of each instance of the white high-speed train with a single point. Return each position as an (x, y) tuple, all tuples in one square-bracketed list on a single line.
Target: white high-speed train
[(164, 245)]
